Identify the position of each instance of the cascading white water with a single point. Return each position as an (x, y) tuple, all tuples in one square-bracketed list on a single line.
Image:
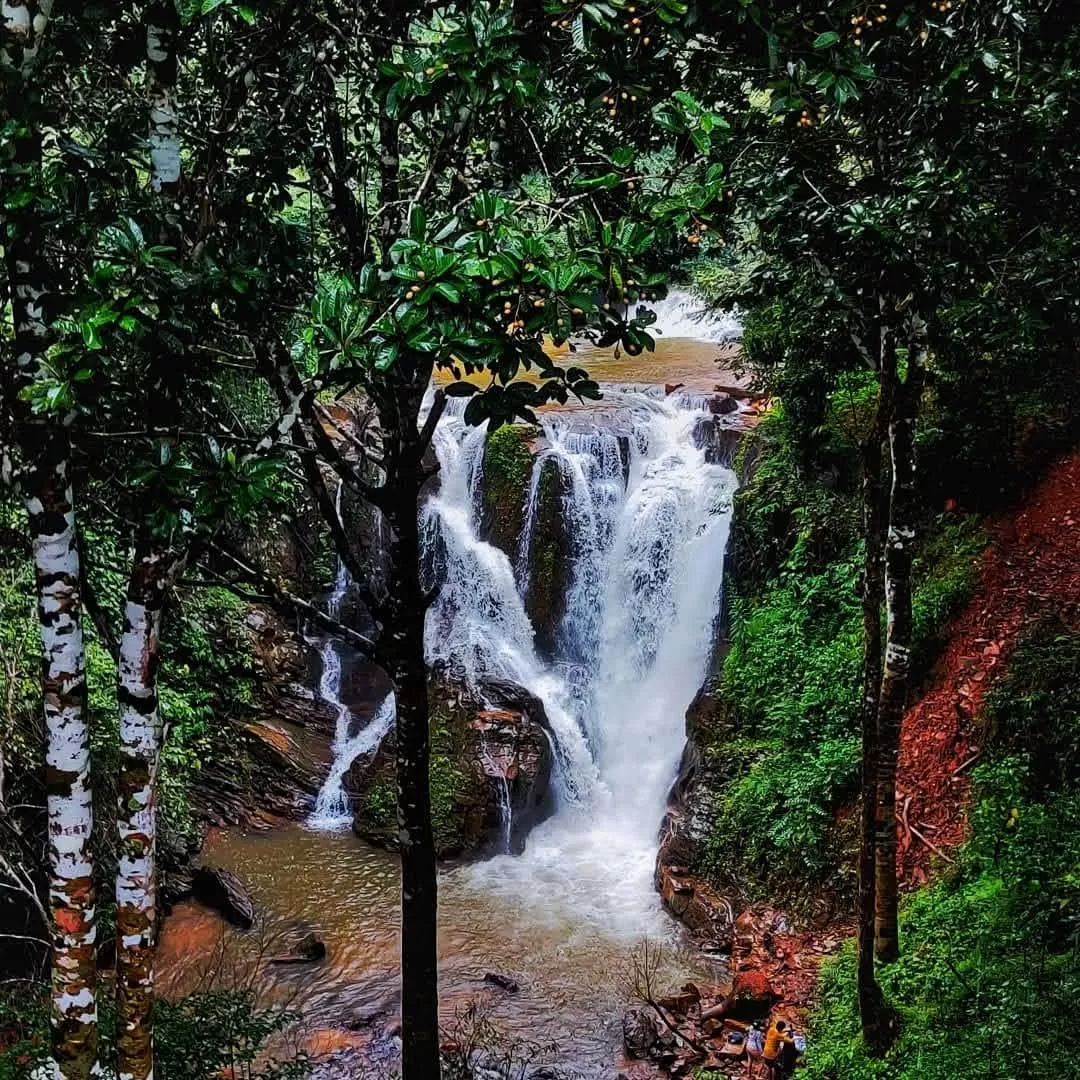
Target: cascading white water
[(332, 809), (647, 521), (682, 315)]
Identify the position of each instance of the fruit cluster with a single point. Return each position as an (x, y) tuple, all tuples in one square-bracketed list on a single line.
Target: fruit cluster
[(874, 15)]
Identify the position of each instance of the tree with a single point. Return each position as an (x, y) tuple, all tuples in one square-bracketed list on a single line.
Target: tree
[(476, 184), (35, 423), (878, 159), (155, 565)]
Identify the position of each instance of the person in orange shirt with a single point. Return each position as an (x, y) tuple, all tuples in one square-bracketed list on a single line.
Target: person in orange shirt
[(775, 1038)]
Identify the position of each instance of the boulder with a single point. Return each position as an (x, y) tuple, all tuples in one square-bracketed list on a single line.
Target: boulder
[(681, 1003), (223, 891), (720, 404), (750, 998), (640, 1036), (491, 754), (306, 950), (720, 437)]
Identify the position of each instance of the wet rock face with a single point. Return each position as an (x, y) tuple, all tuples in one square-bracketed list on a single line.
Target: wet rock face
[(640, 1036), (490, 755), (510, 458), (549, 559)]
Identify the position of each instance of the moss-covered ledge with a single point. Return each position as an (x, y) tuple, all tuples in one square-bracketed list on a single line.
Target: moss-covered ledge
[(507, 465)]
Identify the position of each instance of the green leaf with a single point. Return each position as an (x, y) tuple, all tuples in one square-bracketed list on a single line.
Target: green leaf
[(826, 40), (451, 292), (461, 389), (417, 223)]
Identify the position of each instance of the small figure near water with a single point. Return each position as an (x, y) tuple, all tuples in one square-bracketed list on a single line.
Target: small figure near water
[(755, 1047), (779, 1053)]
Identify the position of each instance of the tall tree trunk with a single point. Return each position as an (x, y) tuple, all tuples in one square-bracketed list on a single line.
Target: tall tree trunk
[(136, 816), (162, 27), (406, 609), (45, 483), (872, 1008), (152, 573), (899, 551), (50, 503)]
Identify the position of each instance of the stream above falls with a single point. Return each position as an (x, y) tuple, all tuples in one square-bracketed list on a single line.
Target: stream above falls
[(646, 504)]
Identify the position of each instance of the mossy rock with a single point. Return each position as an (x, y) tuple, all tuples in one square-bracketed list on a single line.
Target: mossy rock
[(457, 805), (549, 560), (465, 798), (508, 464)]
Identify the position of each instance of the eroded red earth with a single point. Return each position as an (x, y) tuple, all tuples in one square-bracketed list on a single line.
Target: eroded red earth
[(1030, 572)]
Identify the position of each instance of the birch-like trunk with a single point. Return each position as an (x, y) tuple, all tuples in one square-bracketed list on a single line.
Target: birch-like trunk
[(896, 675), (152, 574), (44, 479), (136, 815), (50, 504), (162, 26)]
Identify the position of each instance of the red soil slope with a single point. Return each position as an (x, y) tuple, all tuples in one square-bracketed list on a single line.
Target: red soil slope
[(1031, 570)]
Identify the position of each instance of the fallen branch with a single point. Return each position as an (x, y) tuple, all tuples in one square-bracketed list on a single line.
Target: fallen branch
[(963, 765), (931, 845), (904, 822)]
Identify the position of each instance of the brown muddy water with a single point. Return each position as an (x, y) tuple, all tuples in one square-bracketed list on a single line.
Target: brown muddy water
[(697, 365), (574, 973)]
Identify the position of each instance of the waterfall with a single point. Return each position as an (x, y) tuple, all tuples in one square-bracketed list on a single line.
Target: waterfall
[(647, 521), (681, 315), (332, 809)]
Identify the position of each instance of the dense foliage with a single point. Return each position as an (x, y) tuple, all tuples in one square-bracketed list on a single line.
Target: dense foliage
[(240, 240), (200, 1036), (789, 687)]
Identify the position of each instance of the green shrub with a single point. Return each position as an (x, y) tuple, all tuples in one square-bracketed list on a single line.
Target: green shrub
[(200, 1037), (944, 576), (791, 681), (206, 1035)]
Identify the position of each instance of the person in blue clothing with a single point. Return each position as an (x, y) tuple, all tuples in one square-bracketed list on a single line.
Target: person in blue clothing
[(755, 1046)]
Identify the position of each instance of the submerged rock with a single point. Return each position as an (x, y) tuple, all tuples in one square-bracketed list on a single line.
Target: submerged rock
[(305, 951), (491, 765), (639, 1033), (223, 891)]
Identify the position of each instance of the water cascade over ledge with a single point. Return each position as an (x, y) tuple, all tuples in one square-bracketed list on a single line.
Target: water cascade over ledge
[(646, 517), (639, 504)]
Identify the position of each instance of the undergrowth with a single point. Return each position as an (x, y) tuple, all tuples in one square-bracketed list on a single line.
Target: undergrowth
[(988, 982), (216, 1033), (787, 757)]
